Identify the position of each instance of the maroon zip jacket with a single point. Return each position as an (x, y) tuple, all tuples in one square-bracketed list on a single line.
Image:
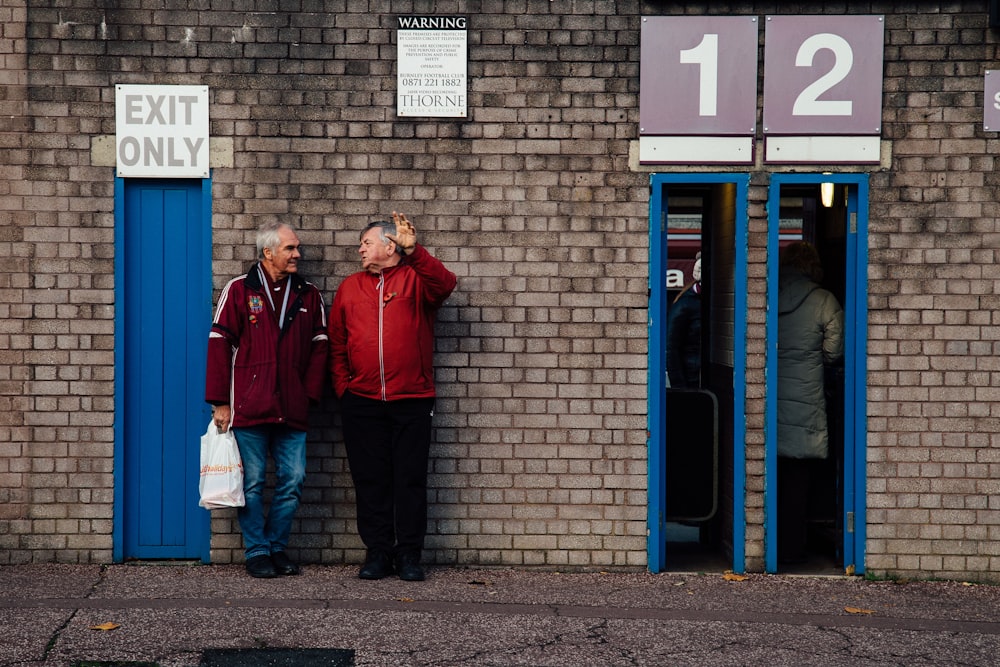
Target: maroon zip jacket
[(382, 329), (272, 373)]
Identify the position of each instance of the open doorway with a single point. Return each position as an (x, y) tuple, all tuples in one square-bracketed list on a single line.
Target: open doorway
[(697, 372), (815, 370)]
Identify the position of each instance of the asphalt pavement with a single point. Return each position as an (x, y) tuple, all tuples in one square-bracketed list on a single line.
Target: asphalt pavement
[(187, 615)]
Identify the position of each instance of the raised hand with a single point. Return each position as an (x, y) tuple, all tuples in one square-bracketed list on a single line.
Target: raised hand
[(405, 236)]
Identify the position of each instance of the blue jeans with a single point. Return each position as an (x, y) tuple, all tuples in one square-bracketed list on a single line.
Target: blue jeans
[(264, 535)]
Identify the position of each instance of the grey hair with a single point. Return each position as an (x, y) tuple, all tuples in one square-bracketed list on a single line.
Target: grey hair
[(383, 227), (267, 236)]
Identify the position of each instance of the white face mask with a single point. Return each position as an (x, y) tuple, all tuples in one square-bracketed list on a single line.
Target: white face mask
[(696, 271)]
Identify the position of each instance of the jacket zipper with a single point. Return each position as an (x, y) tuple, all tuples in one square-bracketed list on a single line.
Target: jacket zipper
[(381, 356), (232, 384)]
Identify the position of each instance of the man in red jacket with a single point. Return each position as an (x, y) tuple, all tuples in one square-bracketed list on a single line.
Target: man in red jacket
[(267, 354), (382, 347)]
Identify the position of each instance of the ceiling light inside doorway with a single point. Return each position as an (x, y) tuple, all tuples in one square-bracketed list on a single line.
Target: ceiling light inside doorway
[(826, 194)]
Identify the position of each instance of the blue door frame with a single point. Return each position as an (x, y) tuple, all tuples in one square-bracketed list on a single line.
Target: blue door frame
[(163, 306), (656, 545), (855, 364)]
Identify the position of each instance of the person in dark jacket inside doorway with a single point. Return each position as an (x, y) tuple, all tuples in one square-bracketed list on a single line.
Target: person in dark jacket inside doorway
[(684, 334), (810, 336), (267, 355), (381, 362)]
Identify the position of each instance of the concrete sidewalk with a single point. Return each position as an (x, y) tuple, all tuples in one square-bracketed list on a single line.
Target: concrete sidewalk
[(169, 615)]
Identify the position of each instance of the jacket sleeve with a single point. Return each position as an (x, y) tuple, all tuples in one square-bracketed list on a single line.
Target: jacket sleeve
[(436, 281), (674, 345), (223, 340), (340, 371), (678, 321), (833, 330), (319, 351)]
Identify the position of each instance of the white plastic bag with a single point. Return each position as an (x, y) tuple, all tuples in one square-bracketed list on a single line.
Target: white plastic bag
[(221, 483)]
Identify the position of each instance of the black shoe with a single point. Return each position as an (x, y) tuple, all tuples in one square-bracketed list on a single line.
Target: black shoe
[(377, 566), (408, 567), (261, 567), (283, 564)]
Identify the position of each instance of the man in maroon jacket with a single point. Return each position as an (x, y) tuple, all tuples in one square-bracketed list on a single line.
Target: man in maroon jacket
[(267, 354), (382, 346)]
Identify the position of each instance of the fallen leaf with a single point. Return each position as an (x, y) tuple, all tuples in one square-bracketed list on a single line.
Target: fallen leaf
[(105, 626), (857, 610), (729, 576)]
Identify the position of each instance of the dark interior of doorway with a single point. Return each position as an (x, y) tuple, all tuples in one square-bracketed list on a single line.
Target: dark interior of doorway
[(699, 409), (804, 215)]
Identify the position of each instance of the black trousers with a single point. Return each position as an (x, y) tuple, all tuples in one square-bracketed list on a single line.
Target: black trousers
[(388, 444), (795, 476)]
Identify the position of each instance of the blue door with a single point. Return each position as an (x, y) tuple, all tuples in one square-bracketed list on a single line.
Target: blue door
[(163, 310), (838, 228), (706, 213)]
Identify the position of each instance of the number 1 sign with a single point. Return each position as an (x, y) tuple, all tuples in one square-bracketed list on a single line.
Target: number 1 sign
[(698, 89), (823, 88)]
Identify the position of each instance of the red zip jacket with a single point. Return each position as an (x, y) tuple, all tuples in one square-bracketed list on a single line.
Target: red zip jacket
[(268, 375), (382, 329)]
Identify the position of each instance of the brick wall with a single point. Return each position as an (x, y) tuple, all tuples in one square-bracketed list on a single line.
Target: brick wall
[(540, 440), (933, 449), (540, 454)]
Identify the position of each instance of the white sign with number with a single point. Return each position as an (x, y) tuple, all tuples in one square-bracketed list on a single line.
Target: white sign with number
[(698, 89), (823, 88)]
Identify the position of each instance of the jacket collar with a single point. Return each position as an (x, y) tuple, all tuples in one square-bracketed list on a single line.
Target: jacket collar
[(255, 279), (387, 271)]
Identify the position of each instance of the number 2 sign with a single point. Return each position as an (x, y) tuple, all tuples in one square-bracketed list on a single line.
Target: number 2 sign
[(823, 75)]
